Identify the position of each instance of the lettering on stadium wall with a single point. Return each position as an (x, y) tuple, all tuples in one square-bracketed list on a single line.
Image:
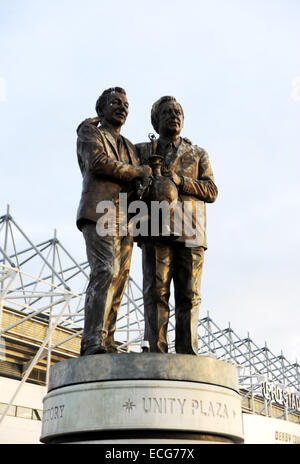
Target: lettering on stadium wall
[(280, 395), (286, 437)]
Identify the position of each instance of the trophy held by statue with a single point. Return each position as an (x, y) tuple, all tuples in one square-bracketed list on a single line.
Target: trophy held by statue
[(161, 195)]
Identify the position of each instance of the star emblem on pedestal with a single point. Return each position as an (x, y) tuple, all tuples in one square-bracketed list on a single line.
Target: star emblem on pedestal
[(129, 405)]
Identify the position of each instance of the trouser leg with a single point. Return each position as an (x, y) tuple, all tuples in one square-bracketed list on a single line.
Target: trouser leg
[(123, 256), (100, 311), (157, 273), (188, 264)]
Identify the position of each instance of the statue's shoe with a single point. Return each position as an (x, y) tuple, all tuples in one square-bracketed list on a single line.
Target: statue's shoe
[(94, 349)]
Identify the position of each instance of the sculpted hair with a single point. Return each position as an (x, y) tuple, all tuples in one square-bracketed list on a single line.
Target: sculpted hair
[(156, 107), (101, 102)]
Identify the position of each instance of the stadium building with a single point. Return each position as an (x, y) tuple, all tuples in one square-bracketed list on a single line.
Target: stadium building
[(42, 290)]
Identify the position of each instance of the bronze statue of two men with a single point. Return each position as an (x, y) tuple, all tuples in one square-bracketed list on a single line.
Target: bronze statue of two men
[(113, 168)]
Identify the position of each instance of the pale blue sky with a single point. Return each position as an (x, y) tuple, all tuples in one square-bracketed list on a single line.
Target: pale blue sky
[(232, 65)]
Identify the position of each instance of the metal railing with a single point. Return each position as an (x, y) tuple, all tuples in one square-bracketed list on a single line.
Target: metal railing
[(44, 284)]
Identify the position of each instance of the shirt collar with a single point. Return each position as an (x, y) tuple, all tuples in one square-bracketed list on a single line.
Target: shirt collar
[(165, 142)]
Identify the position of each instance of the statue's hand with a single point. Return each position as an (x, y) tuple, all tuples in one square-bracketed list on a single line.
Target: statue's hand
[(88, 122), (94, 121), (172, 175), (144, 171), (145, 181)]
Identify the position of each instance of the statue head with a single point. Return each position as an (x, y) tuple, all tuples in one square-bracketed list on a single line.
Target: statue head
[(112, 106), (167, 116)]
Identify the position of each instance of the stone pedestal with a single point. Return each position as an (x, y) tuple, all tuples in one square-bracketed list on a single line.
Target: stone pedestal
[(142, 398)]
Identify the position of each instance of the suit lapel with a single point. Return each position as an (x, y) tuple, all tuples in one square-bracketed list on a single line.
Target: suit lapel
[(131, 152), (111, 141), (183, 147), (181, 150)]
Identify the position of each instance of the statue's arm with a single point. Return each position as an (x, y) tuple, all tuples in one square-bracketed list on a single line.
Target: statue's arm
[(94, 158), (204, 187), (100, 163)]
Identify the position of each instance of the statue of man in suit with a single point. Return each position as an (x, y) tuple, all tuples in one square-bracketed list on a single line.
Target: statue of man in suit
[(177, 257), (109, 166)]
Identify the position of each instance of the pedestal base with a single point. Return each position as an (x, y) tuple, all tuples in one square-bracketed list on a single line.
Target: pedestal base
[(142, 398)]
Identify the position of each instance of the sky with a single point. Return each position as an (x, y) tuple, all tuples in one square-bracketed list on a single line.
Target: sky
[(234, 66)]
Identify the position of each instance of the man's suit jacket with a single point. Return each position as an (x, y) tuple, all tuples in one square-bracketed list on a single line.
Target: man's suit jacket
[(104, 175), (197, 189)]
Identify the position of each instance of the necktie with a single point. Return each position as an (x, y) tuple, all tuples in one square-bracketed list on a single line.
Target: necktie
[(170, 154)]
